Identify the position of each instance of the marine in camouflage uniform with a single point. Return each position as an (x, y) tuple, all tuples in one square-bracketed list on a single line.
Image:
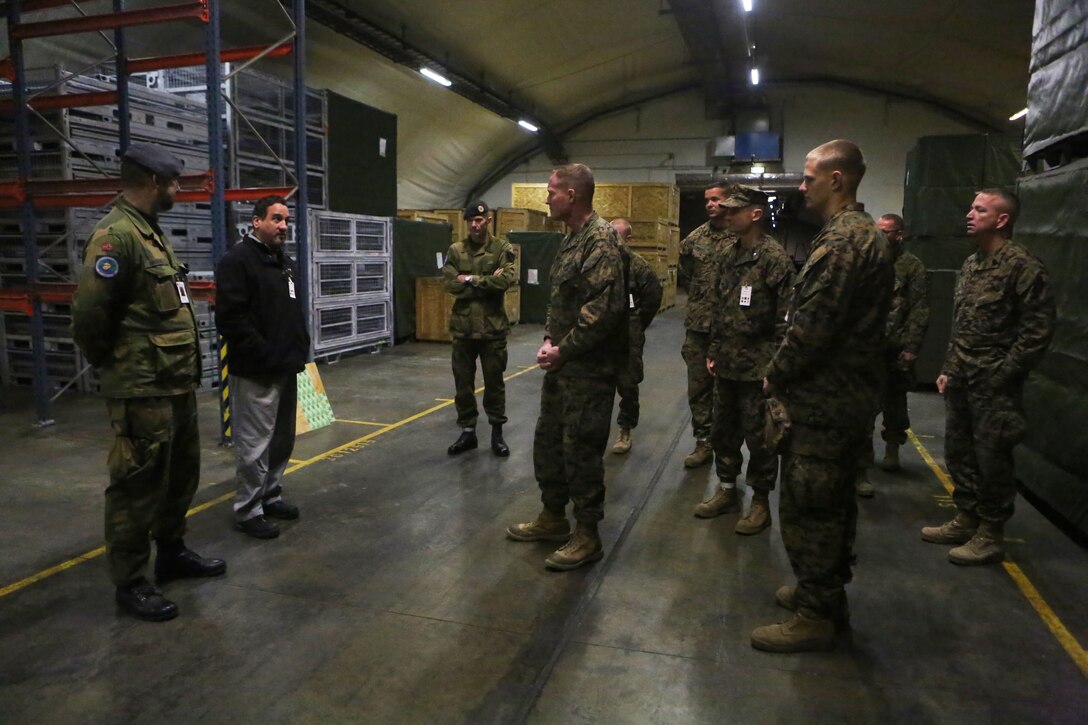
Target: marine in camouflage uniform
[(754, 282), (1002, 322), (133, 321), (478, 271), (824, 376), (643, 301), (585, 345), (699, 253)]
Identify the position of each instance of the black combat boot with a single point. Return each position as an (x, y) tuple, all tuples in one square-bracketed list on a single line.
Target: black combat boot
[(498, 445), (466, 442), (144, 601), (177, 561)]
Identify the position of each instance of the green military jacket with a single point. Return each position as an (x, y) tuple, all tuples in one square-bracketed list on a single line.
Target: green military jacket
[(643, 292), (478, 308), (753, 291), (909, 313), (1002, 318), (130, 315), (827, 371), (698, 255), (587, 310)]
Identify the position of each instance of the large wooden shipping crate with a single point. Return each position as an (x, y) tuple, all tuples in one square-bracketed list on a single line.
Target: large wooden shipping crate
[(506, 220), (456, 219), (637, 201), (656, 259), (433, 307), (422, 215)]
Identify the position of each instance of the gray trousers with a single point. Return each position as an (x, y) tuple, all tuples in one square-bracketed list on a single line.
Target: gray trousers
[(263, 433)]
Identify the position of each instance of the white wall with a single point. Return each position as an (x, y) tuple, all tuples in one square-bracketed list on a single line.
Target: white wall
[(669, 136)]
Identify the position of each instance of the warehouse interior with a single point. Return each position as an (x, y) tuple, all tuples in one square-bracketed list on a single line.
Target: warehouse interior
[(396, 598)]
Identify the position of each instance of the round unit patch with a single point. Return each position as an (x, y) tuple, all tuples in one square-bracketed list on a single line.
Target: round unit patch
[(106, 267)]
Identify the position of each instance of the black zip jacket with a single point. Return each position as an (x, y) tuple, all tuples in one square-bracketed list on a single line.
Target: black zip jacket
[(264, 327)]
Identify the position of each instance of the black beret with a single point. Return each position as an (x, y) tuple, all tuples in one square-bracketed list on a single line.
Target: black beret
[(476, 209), (155, 159)]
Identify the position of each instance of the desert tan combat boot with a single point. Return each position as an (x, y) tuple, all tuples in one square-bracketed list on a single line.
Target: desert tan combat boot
[(547, 527), (758, 517), (583, 548), (799, 633), (957, 531), (702, 455), (722, 502), (891, 457), (623, 441), (985, 547), (862, 486), (786, 597)]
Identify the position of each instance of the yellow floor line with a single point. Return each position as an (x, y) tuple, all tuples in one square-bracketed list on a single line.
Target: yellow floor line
[(1065, 638), (95, 553), (361, 422)]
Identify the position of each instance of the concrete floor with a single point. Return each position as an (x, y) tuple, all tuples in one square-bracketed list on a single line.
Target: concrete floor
[(397, 599)]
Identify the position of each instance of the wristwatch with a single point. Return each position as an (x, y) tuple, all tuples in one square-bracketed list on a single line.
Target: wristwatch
[(468, 279)]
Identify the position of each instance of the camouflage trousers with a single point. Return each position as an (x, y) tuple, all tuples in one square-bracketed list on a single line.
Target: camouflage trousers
[(700, 383), (154, 470), (739, 412), (901, 380), (568, 447), (492, 355), (982, 426), (630, 375), (818, 513)]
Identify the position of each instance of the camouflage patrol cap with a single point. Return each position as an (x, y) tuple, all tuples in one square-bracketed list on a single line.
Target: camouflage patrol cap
[(742, 196), (155, 159), (475, 209)]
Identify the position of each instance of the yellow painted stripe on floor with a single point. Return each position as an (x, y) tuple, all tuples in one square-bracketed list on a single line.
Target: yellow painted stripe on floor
[(1065, 638), (360, 422), (46, 573)]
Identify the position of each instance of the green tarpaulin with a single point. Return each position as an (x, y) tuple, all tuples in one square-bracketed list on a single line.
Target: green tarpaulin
[(1058, 87), (419, 249), (538, 249)]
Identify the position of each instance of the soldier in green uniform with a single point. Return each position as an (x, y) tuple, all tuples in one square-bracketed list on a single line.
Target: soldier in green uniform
[(754, 279), (643, 301), (585, 344), (478, 271), (824, 375), (133, 321), (907, 321), (699, 253), (1002, 322)]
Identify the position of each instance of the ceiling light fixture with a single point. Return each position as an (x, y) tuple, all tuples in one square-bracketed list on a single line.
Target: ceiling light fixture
[(754, 76), (1019, 114), (528, 126), (436, 77), (757, 169), (747, 5)]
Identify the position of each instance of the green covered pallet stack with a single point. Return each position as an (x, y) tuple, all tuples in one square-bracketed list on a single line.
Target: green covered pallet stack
[(538, 249), (419, 250)]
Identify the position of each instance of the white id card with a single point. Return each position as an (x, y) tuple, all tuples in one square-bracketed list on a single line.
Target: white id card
[(291, 288), (745, 296), (182, 293), (630, 300)]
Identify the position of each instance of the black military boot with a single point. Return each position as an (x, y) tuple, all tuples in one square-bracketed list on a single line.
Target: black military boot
[(466, 442), (498, 445), (177, 561), (144, 601)]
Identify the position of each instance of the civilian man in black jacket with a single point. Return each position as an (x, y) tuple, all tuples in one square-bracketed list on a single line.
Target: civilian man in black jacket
[(259, 313)]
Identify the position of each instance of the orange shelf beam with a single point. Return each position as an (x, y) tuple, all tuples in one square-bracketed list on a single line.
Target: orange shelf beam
[(110, 21)]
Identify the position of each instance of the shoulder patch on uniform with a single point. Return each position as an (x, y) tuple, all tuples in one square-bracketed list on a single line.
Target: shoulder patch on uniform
[(107, 247), (106, 267)]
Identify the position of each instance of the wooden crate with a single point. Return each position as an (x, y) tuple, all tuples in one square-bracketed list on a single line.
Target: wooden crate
[(668, 289), (637, 201), (529, 196), (650, 233), (505, 221), (512, 301), (673, 249), (517, 262), (433, 307), (422, 215), (456, 219), (656, 259)]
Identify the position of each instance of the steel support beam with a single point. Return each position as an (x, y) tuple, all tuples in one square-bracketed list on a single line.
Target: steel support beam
[(235, 55), (302, 238), (64, 100), (110, 21), (124, 122)]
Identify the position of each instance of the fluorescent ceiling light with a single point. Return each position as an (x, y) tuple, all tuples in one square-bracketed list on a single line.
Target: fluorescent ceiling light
[(528, 126), (1019, 114), (747, 5), (436, 77), (755, 76), (756, 169)]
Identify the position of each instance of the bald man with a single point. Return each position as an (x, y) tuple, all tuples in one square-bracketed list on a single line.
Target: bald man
[(823, 374), (1002, 322), (643, 302)]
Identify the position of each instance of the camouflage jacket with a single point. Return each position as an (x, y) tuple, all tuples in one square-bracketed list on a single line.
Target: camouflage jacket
[(909, 314), (753, 291), (478, 307), (587, 311), (643, 292), (1002, 318), (130, 315), (826, 370), (698, 255)]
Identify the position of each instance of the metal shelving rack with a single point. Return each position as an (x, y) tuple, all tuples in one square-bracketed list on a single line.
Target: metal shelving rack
[(30, 195)]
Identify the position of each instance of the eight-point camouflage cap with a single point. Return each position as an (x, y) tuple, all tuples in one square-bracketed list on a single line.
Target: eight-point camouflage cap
[(155, 159), (476, 209), (742, 196)]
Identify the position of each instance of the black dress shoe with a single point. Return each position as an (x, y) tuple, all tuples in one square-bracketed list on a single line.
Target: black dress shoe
[(144, 601), (466, 442), (258, 527), (498, 445), (280, 510), (184, 563)]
